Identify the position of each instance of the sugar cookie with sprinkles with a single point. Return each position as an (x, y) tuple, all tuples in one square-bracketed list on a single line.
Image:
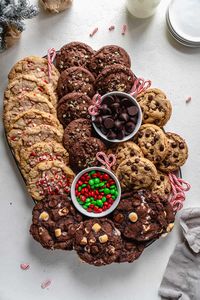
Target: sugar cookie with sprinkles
[(49, 177)]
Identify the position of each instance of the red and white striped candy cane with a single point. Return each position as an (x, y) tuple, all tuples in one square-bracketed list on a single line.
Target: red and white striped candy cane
[(51, 54)]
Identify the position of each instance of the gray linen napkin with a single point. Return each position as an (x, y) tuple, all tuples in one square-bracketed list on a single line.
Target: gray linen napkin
[(182, 275)]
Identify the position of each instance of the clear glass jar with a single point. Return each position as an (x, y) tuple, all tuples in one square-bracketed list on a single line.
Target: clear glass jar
[(142, 8)]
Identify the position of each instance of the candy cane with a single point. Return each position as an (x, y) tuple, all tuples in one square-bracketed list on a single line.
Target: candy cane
[(94, 108), (140, 85), (51, 54), (106, 160)]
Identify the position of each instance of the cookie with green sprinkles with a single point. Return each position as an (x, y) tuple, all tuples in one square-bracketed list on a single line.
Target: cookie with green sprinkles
[(98, 242)]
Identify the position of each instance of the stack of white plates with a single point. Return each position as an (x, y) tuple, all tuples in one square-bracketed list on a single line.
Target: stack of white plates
[(183, 21)]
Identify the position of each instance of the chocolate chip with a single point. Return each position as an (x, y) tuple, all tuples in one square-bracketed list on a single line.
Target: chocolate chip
[(126, 102), (132, 110), (130, 127), (162, 178), (162, 148), (124, 117), (120, 135), (98, 121), (134, 168), (137, 160), (104, 130), (150, 97), (105, 109), (174, 145), (181, 145), (109, 100), (111, 135), (133, 119), (147, 168), (108, 123), (115, 107), (118, 124)]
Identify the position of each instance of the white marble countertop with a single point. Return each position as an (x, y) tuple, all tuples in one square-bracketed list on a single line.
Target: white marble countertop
[(171, 67)]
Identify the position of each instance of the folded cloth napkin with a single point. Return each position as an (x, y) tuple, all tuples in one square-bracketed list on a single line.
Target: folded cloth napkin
[(182, 275)]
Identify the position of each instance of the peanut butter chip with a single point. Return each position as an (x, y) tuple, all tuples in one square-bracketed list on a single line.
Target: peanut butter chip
[(44, 216), (58, 232), (170, 227), (63, 211), (103, 238), (133, 217), (83, 241), (96, 227)]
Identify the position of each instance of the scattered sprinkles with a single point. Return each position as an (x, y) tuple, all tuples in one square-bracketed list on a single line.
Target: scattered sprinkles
[(45, 284), (94, 32), (24, 266), (124, 29), (188, 99)]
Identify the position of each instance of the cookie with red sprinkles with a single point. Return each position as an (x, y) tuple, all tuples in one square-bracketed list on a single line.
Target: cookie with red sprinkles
[(76, 79), (49, 178), (107, 56), (54, 222), (75, 54)]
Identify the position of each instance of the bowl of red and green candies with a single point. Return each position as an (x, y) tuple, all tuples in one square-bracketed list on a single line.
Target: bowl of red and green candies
[(95, 192)]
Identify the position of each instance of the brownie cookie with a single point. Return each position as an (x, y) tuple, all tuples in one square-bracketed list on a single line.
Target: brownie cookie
[(30, 118), (29, 83), (115, 78), (125, 150), (136, 173), (83, 153), (75, 54), (42, 151), (153, 142), (161, 186), (29, 101), (37, 66), (20, 139), (76, 130), (98, 242), (54, 222), (177, 153), (76, 79), (155, 106), (141, 217), (49, 177), (108, 56), (73, 106), (131, 250), (169, 215)]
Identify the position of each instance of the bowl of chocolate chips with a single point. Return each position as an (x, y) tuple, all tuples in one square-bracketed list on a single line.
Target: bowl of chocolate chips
[(119, 117)]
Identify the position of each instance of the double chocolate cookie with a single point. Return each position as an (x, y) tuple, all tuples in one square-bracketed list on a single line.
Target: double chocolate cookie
[(77, 130), (73, 106), (98, 242), (131, 250), (75, 54), (83, 153), (141, 217), (76, 79), (54, 223), (107, 56), (115, 78)]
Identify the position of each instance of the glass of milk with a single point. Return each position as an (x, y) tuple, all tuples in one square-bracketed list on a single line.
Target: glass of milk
[(142, 8)]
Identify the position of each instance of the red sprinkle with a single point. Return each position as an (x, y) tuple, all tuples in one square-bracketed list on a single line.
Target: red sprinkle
[(188, 99), (46, 284), (124, 29), (112, 27), (24, 266), (94, 32)]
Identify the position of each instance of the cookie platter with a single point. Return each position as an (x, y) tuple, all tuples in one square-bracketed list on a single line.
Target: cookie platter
[(67, 115)]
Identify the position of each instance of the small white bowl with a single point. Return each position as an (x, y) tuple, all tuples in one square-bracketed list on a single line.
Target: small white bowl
[(139, 120), (80, 208)]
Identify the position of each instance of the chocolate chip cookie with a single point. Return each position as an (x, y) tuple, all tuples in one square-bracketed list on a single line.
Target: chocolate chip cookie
[(161, 186), (76, 130), (49, 178), (136, 173), (54, 222), (29, 83), (131, 250), (98, 242), (73, 106), (107, 56), (75, 54), (37, 66), (83, 153), (76, 79), (155, 106), (115, 78), (153, 142), (177, 153), (20, 139), (19, 104), (30, 157), (30, 118), (140, 217)]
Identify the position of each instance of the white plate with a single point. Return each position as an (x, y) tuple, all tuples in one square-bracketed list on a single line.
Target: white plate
[(184, 16)]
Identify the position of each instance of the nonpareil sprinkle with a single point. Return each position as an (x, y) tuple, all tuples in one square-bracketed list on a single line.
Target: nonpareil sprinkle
[(96, 191)]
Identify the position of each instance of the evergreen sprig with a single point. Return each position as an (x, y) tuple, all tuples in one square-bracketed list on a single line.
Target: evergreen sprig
[(13, 13)]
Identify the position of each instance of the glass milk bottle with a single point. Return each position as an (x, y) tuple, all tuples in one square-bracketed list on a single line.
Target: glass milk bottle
[(142, 8)]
